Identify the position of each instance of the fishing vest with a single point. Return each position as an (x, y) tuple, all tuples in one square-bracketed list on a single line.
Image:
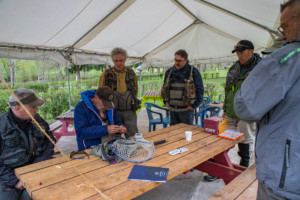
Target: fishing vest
[(122, 101), (234, 82), (179, 95), (17, 148)]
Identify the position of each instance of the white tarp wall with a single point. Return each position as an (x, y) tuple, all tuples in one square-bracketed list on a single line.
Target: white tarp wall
[(85, 31)]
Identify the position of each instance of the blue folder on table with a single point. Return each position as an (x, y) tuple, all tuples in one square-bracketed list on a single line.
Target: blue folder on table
[(146, 173)]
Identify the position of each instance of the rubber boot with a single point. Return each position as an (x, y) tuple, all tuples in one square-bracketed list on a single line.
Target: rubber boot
[(244, 153)]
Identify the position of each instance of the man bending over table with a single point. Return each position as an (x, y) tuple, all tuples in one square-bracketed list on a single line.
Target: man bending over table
[(95, 119)]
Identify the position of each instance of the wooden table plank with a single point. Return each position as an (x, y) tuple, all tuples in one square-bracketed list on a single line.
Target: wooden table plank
[(65, 182), (104, 180), (52, 175), (131, 188), (119, 177), (47, 178), (59, 161)]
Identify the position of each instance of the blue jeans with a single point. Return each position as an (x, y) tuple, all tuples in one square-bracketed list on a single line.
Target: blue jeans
[(186, 117)]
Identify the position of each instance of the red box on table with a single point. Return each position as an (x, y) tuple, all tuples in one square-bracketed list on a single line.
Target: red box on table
[(215, 125)]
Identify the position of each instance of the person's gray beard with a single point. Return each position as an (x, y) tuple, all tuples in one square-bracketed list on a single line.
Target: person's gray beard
[(98, 107)]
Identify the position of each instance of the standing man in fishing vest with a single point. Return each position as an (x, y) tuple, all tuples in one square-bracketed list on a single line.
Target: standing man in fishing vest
[(183, 89), (123, 82), (22, 142)]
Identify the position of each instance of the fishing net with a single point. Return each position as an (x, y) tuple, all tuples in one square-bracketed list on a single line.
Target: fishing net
[(133, 151)]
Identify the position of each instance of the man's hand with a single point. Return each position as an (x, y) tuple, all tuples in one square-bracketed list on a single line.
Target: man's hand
[(111, 129), (123, 129), (189, 108), (19, 185)]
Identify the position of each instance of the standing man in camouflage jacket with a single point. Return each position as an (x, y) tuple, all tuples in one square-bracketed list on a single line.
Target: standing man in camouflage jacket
[(236, 75)]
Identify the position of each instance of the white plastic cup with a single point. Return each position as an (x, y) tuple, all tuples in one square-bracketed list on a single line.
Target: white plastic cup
[(188, 135)]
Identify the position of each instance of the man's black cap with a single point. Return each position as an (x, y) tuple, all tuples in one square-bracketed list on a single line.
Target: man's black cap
[(243, 45)]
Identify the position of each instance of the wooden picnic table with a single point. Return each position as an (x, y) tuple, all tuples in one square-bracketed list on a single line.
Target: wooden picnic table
[(153, 93), (216, 104), (66, 119), (45, 180), (152, 96)]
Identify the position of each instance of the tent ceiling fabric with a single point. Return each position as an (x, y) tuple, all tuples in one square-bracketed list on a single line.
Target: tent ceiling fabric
[(85, 31)]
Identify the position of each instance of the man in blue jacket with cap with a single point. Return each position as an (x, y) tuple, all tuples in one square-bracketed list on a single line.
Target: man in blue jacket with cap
[(95, 119)]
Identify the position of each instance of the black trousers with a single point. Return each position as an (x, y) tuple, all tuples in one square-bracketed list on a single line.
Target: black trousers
[(7, 193)]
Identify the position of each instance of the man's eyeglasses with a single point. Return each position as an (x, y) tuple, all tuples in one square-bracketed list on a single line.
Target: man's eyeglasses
[(178, 60), (122, 60), (284, 25), (280, 30)]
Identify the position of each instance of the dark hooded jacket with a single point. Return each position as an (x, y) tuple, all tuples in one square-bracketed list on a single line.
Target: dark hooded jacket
[(21, 143)]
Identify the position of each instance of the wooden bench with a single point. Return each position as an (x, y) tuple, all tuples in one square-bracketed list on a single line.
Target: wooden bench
[(244, 186), (55, 125)]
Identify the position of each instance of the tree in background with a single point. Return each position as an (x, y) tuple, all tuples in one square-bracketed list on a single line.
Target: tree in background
[(12, 72), (4, 69), (78, 68)]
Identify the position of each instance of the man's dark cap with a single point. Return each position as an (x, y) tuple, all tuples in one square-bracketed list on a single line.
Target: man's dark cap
[(243, 45), (25, 96), (106, 95)]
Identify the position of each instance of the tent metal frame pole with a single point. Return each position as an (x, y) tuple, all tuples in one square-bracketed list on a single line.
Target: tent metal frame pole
[(182, 7), (65, 50), (68, 78), (69, 62), (238, 16), (140, 81)]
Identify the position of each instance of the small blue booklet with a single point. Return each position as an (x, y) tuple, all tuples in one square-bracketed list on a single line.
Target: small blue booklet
[(146, 173)]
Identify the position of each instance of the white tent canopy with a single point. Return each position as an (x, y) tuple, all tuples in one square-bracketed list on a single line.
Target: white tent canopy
[(85, 31)]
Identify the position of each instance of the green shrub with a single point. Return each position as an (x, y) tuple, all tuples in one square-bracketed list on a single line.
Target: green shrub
[(4, 97), (41, 87)]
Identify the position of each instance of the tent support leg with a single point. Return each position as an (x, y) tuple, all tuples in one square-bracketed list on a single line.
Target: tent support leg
[(69, 87)]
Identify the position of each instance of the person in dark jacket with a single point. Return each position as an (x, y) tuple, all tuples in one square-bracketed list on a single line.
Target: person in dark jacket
[(183, 89), (95, 119), (22, 142), (237, 74)]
